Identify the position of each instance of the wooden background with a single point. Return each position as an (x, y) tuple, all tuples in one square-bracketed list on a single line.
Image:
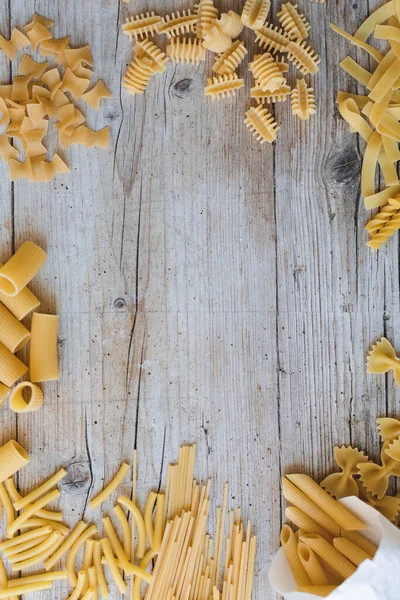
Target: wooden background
[(210, 290)]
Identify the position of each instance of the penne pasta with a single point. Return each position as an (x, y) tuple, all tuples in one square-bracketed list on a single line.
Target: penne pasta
[(21, 268), (360, 541), (17, 401), (66, 546), (12, 458), (39, 491), (11, 368), (43, 362), (4, 391), (111, 487), (112, 565), (311, 565), (304, 522), (13, 334), (289, 544), (329, 505), (329, 554), (351, 551)]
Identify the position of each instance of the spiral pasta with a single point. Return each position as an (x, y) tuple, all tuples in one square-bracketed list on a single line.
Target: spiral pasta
[(303, 100), (293, 22), (228, 61), (255, 12), (262, 124)]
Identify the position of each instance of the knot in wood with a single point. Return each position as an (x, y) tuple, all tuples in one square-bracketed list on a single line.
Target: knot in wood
[(119, 303), (183, 87), (78, 478), (343, 165)]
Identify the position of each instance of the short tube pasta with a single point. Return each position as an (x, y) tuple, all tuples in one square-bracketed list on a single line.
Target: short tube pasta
[(11, 368), (42, 489), (111, 487), (312, 565), (66, 546), (351, 551), (21, 268), (329, 554), (13, 334), (289, 544), (12, 458), (112, 565), (4, 391), (17, 401), (43, 362)]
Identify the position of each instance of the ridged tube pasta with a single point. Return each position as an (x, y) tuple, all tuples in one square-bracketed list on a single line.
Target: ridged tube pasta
[(56, 537), (111, 487), (17, 401), (11, 368), (228, 61), (21, 268), (255, 12), (230, 23), (8, 546), (329, 554), (4, 391), (43, 361), (351, 551), (312, 565), (148, 517), (262, 124), (12, 458), (289, 544), (13, 334)]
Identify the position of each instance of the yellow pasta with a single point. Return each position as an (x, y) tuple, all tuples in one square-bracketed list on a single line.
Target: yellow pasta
[(111, 487), (331, 507), (12, 553), (289, 544), (32, 510), (207, 13), (35, 400), (351, 551), (186, 50), (126, 531), (388, 506), (304, 522), (17, 41), (56, 538), (215, 40), (12, 333), (99, 570), (223, 86), (21, 268), (311, 565), (177, 23), (76, 546), (46, 517), (54, 47), (141, 26), (140, 525), (25, 589), (43, 361), (303, 100), (272, 38), (375, 478), (42, 521), (7, 505), (93, 96), (30, 67), (389, 429), (356, 42), (11, 368), (255, 12), (148, 517), (4, 391), (293, 22), (116, 545), (382, 358), (43, 489), (80, 584), (228, 61), (230, 23), (112, 565), (304, 58), (66, 546), (9, 545), (37, 32), (49, 541), (340, 485), (278, 95), (77, 86), (267, 72), (77, 56), (261, 123), (329, 554), (86, 137), (7, 151)]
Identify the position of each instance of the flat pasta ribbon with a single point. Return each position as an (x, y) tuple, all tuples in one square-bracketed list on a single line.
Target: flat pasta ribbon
[(341, 485), (389, 429), (375, 478), (382, 358)]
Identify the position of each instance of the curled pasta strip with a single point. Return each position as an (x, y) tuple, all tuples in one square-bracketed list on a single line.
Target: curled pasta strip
[(278, 95), (375, 478), (186, 50), (293, 22), (382, 358), (356, 42), (176, 24), (207, 13), (340, 485), (230, 23), (303, 100), (215, 40), (262, 124), (141, 26), (384, 224), (304, 58), (389, 429), (267, 72), (223, 85), (272, 38), (255, 12), (228, 61)]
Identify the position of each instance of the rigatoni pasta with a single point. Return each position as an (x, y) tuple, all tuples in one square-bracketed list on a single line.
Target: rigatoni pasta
[(11, 368), (43, 361), (20, 404), (12, 458), (12, 333), (21, 268)]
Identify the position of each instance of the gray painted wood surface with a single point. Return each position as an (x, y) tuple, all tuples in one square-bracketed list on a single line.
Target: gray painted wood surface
[(210, 290)]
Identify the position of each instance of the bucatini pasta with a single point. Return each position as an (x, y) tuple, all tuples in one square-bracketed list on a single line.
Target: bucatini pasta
[(43, 361)]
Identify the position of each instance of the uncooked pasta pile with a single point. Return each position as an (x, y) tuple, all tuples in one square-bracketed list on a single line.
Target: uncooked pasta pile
[(193, 32), (161, 553)]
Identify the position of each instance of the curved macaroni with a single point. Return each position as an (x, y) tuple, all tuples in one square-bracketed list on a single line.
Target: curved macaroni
[(303, 100), (293, 22), (66, 546), (4, 391), (262, 124), (223, 85), (255, 12), (228, 61), (111, 487), (289, 545), (17, 41)]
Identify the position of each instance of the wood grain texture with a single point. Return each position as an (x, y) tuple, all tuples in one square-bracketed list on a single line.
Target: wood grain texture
[(210, 289)]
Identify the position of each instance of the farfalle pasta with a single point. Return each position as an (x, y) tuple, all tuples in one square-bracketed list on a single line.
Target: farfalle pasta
[(382, 358), (389, 429), (375, 478), (340, 485)]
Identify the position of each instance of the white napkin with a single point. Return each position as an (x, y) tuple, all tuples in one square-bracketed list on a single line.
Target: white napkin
[(377, 579)]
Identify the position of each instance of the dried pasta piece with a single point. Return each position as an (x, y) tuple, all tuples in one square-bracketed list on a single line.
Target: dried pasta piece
[(19, 170), (19, 91), (272, 38), (388, 506), (386, 82), (304, 58), (356, 42), (266, 72), (230, 23), (93, 96), (382, 358), (53, 81), (311, 565), (223, 85), (5, 112), (186, 50), (177, 23), (28, 66), (293, 22), (54, 47), (207, 14), (4, 391), (215, 40), (138, 74), (153, 52), (111, 487), (17, 41), (43, 361), (303, 100), (341, 485), (67, 116), (228, 61), (33, 136), (375, 478), (255, 12), (278, 95), (12, 458), (290, 547), (351, 551), (382, 197), (141, 26), (376, 18), (36, 32), (7, 151), (324, 550), (384, 224), (389, 429), (77, 86), (78, 56), (261, 123)]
